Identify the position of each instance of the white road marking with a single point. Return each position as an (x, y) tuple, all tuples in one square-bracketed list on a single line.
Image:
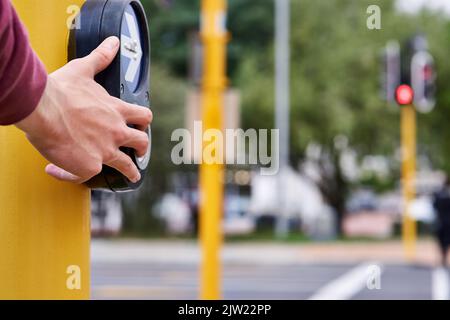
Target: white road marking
[(347, 285), (440, 284)]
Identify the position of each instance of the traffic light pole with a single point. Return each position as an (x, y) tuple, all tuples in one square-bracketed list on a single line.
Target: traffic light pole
[(408, 151), (44, 224), (413, 81), (214, 37), (282, 101)]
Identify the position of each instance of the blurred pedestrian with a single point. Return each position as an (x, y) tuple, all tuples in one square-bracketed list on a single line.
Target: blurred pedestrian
[(441, 204)]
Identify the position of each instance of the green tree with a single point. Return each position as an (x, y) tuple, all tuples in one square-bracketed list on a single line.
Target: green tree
[(171, 22), (335, 85)]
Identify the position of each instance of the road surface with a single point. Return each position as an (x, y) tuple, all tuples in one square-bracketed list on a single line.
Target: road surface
[(140, 270)]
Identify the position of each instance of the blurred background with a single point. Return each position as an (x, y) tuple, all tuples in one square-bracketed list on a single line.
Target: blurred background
[(343, 187)]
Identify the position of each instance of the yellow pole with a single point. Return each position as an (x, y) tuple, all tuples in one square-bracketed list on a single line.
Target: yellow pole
[(214, 37), (44, 224), (408, 141)]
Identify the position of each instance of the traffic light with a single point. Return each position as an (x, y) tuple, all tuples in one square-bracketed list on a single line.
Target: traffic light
[(409, 72), (423, 77), (391, 71), (404, 95)]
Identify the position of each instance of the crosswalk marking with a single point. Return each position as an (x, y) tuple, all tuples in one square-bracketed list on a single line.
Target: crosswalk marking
[(347, 285), (440, 284)]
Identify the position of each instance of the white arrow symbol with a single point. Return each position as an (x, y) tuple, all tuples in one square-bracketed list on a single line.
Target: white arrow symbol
[(131, 48)]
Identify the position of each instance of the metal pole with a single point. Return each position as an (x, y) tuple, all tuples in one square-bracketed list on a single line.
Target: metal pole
[(282, 97), (214, 37), (44, 224), (408, 141)]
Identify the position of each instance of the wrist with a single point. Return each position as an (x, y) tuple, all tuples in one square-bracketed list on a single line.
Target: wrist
[(35, 120)]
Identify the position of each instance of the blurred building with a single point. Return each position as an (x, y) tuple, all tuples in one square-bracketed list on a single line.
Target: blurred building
[(305, 205)]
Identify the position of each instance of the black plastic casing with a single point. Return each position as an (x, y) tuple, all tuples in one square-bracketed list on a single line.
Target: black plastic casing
[(100, 19)]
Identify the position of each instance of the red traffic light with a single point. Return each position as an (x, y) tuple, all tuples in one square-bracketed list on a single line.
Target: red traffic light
[(404, 95)]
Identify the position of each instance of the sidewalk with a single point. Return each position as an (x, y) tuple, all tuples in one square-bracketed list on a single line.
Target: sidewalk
[(187, 252)]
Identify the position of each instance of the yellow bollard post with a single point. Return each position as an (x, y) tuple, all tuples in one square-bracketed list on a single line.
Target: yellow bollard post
[(44, 224), (214, 37), (408, 141)]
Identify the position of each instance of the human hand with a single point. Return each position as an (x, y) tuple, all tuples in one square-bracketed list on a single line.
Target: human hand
[(78, 126)]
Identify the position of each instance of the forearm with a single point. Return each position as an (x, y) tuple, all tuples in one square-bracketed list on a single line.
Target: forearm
[(22, 76)]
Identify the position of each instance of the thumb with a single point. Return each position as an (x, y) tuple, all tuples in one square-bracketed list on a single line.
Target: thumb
[(101, 58), (61, 174)]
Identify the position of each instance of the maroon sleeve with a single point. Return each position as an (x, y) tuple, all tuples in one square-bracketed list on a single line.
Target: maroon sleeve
[(22, 75)]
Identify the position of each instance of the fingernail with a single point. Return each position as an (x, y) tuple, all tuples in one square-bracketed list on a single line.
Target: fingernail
[(138, 177), (111, 43), (50, 169), (53, 170)]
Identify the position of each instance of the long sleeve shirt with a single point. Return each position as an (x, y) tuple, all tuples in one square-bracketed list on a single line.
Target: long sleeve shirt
[(22, 75)]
